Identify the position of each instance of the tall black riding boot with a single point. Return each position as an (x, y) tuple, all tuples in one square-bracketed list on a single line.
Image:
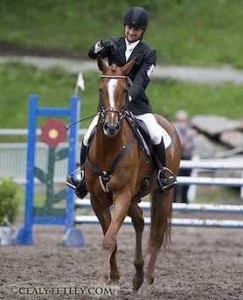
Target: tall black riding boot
[(166, 178), (77, 179)]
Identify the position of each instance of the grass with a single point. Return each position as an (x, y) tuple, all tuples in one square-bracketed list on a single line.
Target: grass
[(54, 88), (225, 100), (18, 82), (188, 32)]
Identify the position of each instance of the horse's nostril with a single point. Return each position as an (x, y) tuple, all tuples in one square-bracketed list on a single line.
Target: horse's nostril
[(106, 126), (117, 127)]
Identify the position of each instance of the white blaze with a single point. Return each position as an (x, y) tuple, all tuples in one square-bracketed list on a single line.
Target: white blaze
[(111, 88)]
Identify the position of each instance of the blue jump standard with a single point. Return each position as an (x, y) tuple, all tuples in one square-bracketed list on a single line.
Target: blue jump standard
[(73, 237)]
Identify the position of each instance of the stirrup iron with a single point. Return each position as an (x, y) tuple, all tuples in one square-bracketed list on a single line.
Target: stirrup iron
[(74, 180), (166, 179)]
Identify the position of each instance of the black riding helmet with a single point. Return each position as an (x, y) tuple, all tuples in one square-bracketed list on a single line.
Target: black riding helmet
[(136, 17)]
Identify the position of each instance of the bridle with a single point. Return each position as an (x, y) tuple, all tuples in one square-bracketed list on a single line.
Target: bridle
[(121, 113)]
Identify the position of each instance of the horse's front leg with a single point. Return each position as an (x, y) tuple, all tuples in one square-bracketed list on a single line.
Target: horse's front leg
[(104, 216), (121, 206), (136, 214)]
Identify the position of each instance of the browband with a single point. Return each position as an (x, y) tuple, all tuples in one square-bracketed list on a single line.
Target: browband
[(113, 76)]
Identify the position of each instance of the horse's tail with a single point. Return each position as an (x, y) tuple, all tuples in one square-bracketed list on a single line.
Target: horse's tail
[(160, 227), (161, 204)]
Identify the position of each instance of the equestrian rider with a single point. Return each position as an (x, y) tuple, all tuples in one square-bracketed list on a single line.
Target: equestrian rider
[(119, 51)]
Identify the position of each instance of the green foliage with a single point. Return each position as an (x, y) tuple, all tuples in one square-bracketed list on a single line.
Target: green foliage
[(201, 32), (184, 32), (18, 82), (9, 201), (167, 96)]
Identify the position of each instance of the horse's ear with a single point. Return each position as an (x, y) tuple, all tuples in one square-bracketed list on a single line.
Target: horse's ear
[(101, 64), (127, 67)]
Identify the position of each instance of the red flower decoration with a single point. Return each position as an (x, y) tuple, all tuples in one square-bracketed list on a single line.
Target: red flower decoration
[(53, 132)]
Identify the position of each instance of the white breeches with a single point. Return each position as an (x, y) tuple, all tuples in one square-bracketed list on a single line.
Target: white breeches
[(156, 132), (91, 127)]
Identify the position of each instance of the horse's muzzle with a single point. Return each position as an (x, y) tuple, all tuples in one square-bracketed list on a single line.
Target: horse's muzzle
[(111, 129)]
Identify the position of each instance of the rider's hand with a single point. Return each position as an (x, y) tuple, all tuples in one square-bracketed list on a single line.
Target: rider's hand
[(108, 44)]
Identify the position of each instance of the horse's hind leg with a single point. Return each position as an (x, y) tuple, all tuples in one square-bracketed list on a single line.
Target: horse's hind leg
[(104, 217), (136, 214), (161, 207)]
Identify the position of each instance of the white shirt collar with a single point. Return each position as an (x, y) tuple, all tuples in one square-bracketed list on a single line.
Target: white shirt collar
[(131, 45)]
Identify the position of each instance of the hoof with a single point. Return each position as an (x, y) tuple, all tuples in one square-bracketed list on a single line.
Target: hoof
[(115, 278), (137, 282), (149, 279), (105, 280)]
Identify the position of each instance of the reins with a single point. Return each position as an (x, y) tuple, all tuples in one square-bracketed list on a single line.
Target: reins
[(67, 127)]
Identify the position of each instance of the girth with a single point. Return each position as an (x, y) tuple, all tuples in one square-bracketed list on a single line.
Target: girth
[(105, 176)]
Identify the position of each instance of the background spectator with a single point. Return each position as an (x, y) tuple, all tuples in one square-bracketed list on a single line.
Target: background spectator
[(186, 133)]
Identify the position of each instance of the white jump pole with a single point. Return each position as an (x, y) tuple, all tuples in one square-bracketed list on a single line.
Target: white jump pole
[(182, 207), (175, 222)]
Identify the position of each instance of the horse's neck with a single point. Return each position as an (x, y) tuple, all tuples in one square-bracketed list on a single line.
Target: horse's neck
[(109, 143)]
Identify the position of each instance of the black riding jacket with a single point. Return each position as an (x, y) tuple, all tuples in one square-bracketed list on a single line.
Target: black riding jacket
[(144, 59)]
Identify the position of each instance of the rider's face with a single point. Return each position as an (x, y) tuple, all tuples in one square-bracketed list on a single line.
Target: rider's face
[(133, 34)]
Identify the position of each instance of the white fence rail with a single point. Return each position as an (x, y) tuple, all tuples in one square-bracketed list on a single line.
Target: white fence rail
[(179, 207), (182, 207), (13, 164), (13, 161)]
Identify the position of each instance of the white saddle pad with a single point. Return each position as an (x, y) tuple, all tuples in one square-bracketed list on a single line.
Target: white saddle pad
[(167, 138)]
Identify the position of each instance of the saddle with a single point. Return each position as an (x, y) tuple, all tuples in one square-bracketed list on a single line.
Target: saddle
[(141, 134)]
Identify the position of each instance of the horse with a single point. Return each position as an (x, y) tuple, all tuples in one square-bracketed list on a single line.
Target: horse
[(116, 174)]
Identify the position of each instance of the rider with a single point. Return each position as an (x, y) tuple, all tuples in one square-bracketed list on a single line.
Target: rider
[(119, 51)]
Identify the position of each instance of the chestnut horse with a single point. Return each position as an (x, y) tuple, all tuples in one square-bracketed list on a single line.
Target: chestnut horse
[(115, 170)]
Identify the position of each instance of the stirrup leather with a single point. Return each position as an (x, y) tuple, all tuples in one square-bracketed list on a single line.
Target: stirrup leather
[(166, 179)]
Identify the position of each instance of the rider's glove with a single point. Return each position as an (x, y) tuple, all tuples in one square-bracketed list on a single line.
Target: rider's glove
[(108, 44)]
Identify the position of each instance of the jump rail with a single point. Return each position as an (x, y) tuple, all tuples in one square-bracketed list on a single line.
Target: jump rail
[(234, 182), (236, 164), (175, 222), (180, 207)]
